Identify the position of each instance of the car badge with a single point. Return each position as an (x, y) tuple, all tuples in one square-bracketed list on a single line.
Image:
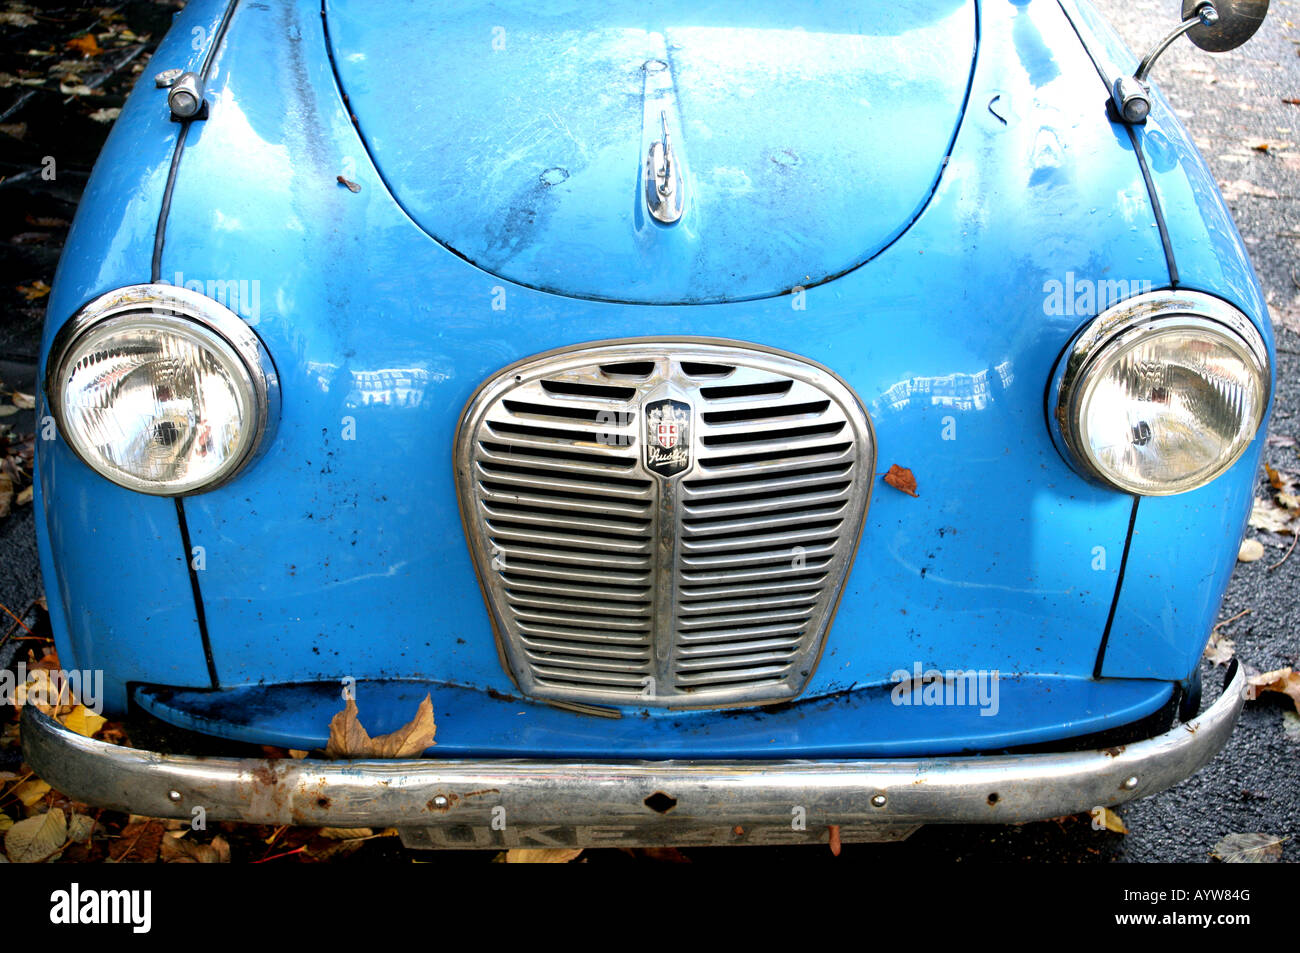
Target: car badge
[(667, 436)]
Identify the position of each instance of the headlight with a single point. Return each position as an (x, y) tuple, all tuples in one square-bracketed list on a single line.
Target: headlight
[(1163, 392), (160, 389)]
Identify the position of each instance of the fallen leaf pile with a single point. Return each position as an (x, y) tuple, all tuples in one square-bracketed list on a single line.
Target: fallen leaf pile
[(1276, 511), (17, 451)]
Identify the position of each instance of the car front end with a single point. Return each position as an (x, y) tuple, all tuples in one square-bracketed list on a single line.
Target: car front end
[(740, 426)]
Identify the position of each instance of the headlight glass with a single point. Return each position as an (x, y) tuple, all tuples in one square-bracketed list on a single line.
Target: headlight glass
[(1164, 395), (154, 396)]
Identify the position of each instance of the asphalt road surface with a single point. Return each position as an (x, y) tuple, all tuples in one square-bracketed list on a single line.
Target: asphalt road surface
[(1233, 103)]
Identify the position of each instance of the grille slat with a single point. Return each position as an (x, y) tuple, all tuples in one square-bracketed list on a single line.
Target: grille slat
[(623, 566)]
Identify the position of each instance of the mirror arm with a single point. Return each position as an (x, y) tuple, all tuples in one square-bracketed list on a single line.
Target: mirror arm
[(1204, 13), (1130, 96)]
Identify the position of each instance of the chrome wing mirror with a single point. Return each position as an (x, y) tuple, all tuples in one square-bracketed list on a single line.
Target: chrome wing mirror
[(1214, 25)]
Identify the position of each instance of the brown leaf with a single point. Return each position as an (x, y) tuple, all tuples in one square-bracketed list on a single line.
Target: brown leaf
[(37, 289), (139, 841), (86, 45), (348, 739), (352, 186), (1220, 649), (901, 478), (177, 849), (556, 855), (834, 838), (1282, 680)]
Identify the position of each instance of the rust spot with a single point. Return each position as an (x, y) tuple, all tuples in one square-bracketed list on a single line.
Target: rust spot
[(1115, 752), (994, 798), (267, 773), (738, 831), (323, 802)]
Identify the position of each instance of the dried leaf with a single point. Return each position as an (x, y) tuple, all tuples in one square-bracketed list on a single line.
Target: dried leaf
[(1268, 516), (1105, 817), (1251, 550), (84, 721), (24, 496), (80, 827), (348, 739), (106, 115), (833, 838), (30, 792), (1281, 680), (901, 478), (1249, 849), (178, 849), (23, 401), (37, 289), (345, 833), (37, 839), (351, 186), (1220, 649), (86, 45), (140, 840), (556, 855), (6, 822), (16, 18)]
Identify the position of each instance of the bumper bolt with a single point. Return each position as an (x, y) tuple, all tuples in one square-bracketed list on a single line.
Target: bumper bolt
[(173, 795), (1129, 783), (878, 800), (440, 801)]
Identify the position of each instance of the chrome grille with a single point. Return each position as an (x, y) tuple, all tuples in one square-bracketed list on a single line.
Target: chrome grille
[(609, 583)]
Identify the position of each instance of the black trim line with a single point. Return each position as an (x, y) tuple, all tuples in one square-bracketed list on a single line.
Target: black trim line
[(1155, 205), (1119, 588), (200, 615), (155, 273), (1107, 81), (205, 70)]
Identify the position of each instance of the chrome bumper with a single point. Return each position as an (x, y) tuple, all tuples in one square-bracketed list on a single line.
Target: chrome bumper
[(448, 803)]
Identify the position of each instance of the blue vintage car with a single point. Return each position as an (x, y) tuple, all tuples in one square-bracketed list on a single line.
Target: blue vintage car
[(743, 420)]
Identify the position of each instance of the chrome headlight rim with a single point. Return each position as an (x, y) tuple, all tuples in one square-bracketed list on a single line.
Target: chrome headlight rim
[(187, 312), (1119, 327)]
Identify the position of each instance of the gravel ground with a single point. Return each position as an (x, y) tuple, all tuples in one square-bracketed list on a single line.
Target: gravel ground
[(1231, 102)]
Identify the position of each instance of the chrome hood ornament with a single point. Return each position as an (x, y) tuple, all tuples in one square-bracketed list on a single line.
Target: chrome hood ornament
[(663, 179), (665, 196)]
